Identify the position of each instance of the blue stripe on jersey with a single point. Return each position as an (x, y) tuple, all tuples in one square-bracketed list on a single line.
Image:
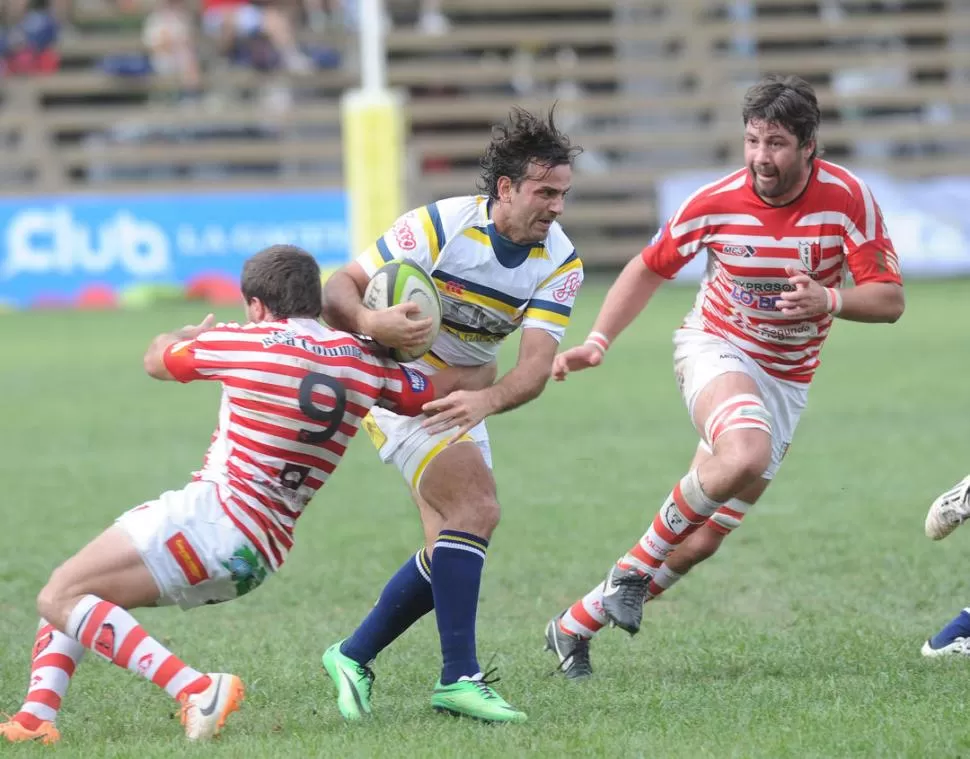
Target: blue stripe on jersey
[(572, 257), (548, 305), (384, 250), (509, 254), (439, 229), (479, 289)]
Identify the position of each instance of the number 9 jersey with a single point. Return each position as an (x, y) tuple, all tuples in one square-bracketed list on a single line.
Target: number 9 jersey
[(294, 394)]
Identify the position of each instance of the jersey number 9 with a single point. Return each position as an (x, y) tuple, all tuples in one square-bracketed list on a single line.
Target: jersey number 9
[(330, 417)]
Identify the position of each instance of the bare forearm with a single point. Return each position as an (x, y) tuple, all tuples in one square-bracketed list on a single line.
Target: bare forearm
[(343, 308), (523, 383), (874, 302), (464, 378), (627, 297)]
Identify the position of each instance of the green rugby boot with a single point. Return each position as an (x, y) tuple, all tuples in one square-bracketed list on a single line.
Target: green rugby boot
[(353, 680), (474, 697)]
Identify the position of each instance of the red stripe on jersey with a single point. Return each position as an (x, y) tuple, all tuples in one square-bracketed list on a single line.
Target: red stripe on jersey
[(280, 453), (835, 224), (261, 545), (293, 394), (288, 434)]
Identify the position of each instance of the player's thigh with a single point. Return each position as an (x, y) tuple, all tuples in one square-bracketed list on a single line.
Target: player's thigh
[(403, 442), (786, 402), (720, 386), (109, 567), (458, 480), (195, 553)]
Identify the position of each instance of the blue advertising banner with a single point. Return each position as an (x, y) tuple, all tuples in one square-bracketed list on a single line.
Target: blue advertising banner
[(54, 249), (927, 219)]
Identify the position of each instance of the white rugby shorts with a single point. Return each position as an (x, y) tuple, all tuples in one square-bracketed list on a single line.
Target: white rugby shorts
[(700, 357), (401, 441), (194, 551)]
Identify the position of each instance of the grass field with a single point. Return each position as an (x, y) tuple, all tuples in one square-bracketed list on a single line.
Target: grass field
[(800, 639)]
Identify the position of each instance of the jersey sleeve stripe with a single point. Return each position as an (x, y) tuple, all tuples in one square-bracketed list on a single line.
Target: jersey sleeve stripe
[(384, 250), (548, 305), (373, 258), (433, 233), (541, 314), (439, 227)]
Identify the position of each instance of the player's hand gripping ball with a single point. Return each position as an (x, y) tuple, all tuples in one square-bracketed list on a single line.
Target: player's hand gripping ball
[(402, 281)]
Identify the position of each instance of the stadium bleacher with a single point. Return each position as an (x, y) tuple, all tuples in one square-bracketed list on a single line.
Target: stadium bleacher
[(646, 87)]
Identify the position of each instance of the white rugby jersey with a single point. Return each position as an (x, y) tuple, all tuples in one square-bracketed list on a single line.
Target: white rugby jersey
[(489, 285)]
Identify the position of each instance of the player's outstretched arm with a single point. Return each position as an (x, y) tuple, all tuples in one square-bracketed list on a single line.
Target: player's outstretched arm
[(525, 381), (627, 297), (154, 360)]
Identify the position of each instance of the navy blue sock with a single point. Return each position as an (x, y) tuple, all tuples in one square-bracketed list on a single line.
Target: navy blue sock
[(959, 627), (405, 599), (456, 576)]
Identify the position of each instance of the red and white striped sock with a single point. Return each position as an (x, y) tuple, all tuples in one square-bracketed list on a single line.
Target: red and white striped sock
[(687, 508), (54, 657), (585, 618), (113, 633), (662, 580)]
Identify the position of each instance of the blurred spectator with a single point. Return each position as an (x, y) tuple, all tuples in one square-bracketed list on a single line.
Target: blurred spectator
[(28, 47), (255, 32), (169, 36)]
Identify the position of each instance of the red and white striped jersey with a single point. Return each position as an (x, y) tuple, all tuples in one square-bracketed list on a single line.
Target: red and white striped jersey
[(294, 394), (834, 225)]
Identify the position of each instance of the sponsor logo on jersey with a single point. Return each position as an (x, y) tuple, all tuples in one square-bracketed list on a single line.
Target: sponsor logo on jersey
[(418, 381), (747, 251), (568, 288), (403, 235), (765, 287), (810, 253)]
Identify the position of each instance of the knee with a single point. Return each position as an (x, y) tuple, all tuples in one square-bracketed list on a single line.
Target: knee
[(53, 601), (747, 459), (483, 514)]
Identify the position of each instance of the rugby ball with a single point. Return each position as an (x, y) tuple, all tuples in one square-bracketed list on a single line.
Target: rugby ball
[(400, 281)]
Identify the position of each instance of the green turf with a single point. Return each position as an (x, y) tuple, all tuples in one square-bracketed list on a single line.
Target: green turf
[(800, 639)]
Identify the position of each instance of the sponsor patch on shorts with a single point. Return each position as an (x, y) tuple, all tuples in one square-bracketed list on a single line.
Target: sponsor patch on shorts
[(187, 559)]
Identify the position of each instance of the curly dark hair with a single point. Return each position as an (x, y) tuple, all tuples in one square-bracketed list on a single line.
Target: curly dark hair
[(287, 281), (789, 101), (521, 140)]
